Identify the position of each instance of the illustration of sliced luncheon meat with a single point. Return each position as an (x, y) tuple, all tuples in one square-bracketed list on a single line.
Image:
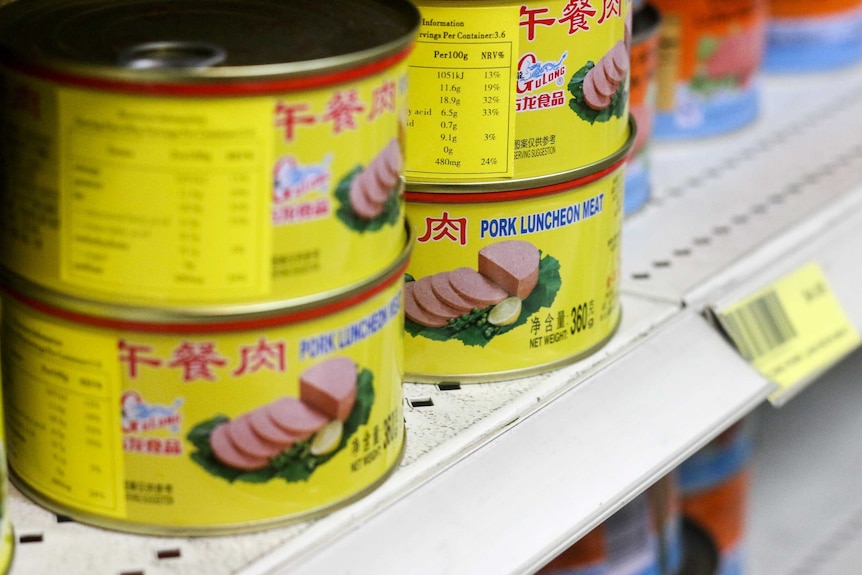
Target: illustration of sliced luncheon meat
[(330, 387), (242, 435), (428, 300), (447, 294), (614, 75), (229, 454), (295, 416), (619, 56), (387, 166), (476, 287), (511, 264), (359, 200), (592, 97), (265, 427), (416, 313), (604, 85), (382, 185)]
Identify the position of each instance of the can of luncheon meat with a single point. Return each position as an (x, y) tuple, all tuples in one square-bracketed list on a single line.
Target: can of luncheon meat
[(627, 543), (512, 279), (513, 90), (709, 57), (642, 102), (139, 420), (202, 153), (812, 36), (7, 535), (714, 485)]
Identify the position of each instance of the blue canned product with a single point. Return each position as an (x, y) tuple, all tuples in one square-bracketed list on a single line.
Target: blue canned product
[(625, 544), (714, 485), (709, 59), (642, 100), (807, 36)]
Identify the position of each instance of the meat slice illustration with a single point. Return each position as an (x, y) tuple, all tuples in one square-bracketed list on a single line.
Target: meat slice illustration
[(266, 428), (246, 440), (387, 170), (428, 300), (295, 416), (619, 56), (614, 75), (603, 79), (592, 97), (359, 196), (447, 294), (605, 85), (330, 387), (416, 313), (229, 454), (475, 287), (372, 187), (511, 264)]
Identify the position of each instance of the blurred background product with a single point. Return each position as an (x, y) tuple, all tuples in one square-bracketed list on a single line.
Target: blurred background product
[(708, 66), (806, 36), (642, 102), (714, 486)]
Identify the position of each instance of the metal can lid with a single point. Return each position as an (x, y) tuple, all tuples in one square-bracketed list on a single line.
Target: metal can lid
[(198, 40)]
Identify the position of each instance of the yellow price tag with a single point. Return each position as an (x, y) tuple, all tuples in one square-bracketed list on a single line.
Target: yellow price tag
[(792, 330)]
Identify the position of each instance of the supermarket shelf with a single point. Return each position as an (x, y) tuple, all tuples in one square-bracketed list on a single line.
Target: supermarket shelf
[(804, 511), (558, 470), (726, 207), (497, 478)]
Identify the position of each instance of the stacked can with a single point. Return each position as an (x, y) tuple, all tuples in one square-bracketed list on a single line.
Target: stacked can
[(813, 36), (627, 543), (517, 134), (643, 538), (7, 535), (714, 489), (203, 255), (642, 103), (709, 59)]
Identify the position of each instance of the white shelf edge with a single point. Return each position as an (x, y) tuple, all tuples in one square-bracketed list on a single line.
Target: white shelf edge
[(549, 472)]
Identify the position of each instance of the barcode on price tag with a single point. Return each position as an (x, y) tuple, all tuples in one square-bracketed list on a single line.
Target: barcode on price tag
[(792, 330), (760, 326)]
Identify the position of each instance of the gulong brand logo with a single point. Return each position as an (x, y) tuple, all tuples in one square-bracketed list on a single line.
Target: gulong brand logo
[(294, 185), (534, 74), (293, 180), (139, 415)]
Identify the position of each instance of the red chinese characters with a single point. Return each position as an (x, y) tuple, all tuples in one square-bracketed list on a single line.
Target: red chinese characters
[(264, 355), (341, 111), (578, 15), (201, 361), (152, 445), (533, 20), (445, 228), (541, 101), (382, 100)]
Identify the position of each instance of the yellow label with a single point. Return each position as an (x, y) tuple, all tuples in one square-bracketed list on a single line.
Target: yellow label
[(462, 102), (121, 424), (63, 412), (147, 180), (514, 73), (566, 305), (792, 330), (187, 200)]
